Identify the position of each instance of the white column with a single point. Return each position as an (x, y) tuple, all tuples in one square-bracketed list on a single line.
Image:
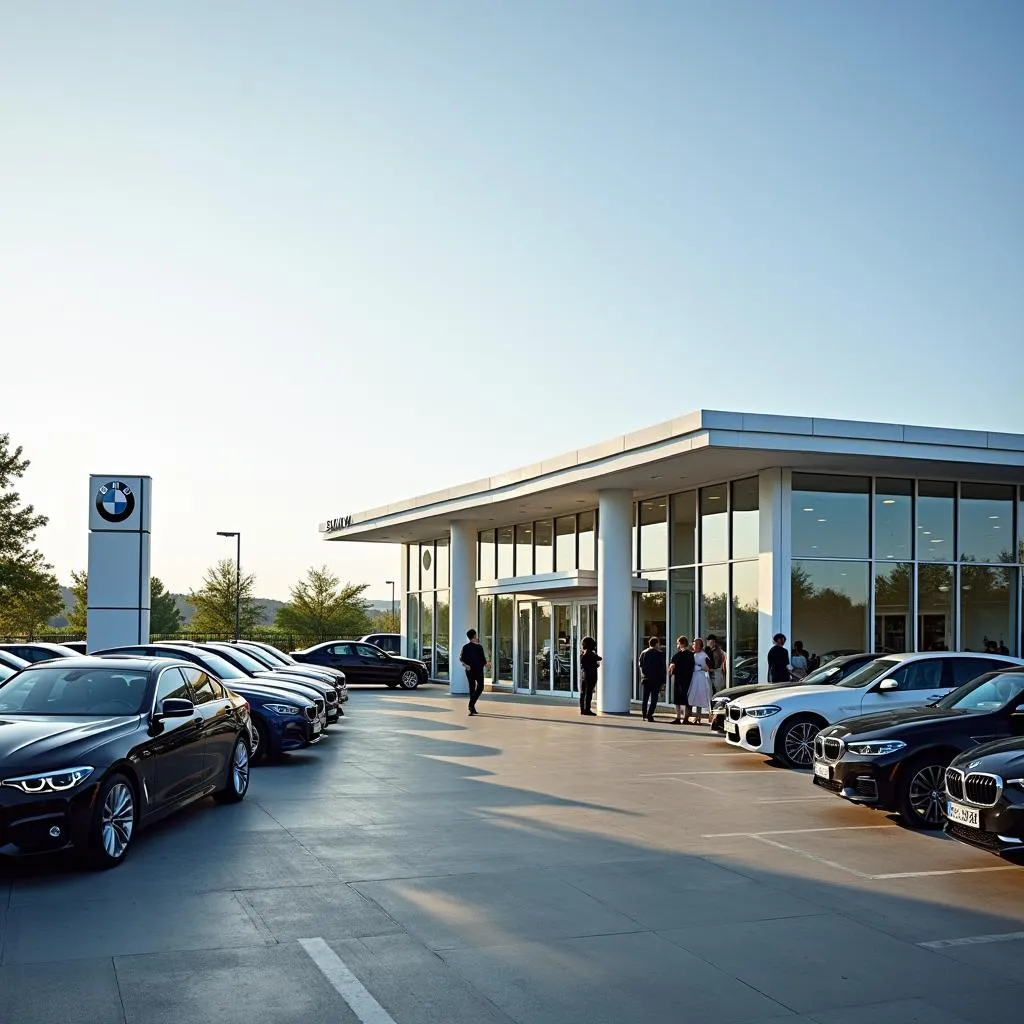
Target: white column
[(462, 607), (403, 600), (774, 561), (615, 600)]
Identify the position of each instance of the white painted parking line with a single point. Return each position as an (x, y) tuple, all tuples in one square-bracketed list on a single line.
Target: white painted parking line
[(949, 871), (791, 799), (795, 832), (973, 940), (727, 771), (345, 983), (809, 856)]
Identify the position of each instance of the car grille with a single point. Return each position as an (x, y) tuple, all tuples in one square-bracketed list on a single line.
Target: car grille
[(955, 783), (318, 703), (974, 836), (832, 784), (982, 789), (865, 787), (331, 698), (311, 713), (832, 748), (735, 713)]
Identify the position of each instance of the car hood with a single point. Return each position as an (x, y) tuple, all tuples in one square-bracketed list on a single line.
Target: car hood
[(783, 692), (898, 720), (1001, 757), (733, 692), (27, 740), (405, 661), (265, 688)]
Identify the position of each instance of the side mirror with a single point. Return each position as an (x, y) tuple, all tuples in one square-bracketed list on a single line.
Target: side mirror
[(888, 686), (175, 707)]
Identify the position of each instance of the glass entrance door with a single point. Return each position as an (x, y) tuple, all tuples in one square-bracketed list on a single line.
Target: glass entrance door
[(524, 615), (563, 673)]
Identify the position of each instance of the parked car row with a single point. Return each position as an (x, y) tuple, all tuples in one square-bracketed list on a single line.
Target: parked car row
[(936, 738)]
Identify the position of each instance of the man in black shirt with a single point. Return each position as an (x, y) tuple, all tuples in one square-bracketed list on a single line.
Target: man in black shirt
[(778, 660), (473, 659), (652, 675)]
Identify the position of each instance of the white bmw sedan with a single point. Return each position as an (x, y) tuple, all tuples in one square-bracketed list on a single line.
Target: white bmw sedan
[(783, 723)]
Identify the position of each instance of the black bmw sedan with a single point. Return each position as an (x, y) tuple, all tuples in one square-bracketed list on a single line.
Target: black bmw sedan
[(92, 750), (985, 790), (364, 663), (896, 760)]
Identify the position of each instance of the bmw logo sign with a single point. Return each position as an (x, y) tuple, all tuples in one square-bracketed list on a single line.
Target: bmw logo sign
[(115, 501)]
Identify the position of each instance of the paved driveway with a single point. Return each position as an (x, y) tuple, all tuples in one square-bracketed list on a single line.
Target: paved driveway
[(527, 865)]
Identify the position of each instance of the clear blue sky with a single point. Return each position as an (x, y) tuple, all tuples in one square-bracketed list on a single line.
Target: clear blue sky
[(298, 259)]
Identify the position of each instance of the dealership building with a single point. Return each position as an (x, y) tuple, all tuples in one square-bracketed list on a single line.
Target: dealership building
[(847, 536)]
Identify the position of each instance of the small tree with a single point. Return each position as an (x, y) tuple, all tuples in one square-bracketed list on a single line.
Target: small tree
[(37, 600), (214, 601), (318, 609), (164, 616), (78, 616), (386, 622)]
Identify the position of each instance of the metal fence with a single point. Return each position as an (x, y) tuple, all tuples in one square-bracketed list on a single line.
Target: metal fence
[(283, 641)]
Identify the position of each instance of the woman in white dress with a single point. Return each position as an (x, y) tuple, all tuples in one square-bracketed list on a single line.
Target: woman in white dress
[(700, 687)]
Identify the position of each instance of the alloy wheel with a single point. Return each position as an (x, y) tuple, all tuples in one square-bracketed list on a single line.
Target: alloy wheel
[(118, 820), (926, 794), (799, 743), (410, 679), (240, 768)]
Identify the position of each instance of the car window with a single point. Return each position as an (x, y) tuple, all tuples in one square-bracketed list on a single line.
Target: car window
[(203, 686), (987, 694), (963, 670), (869, 673), (342, 650), (920, 675), (48, 690), (366, 651), (243, 658), (172, 684)]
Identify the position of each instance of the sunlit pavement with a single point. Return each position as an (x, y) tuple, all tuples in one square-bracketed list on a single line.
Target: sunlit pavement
[(525, 865)]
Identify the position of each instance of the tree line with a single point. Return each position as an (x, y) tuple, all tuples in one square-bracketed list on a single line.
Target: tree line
[(320, 606)]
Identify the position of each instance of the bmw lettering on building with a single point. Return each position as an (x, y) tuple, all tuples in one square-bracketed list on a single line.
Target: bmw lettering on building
[(115, 501)]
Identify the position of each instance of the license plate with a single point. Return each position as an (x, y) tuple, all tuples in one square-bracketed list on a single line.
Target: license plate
[(823, 771), (733, 731), (316, 727), (970, 816)]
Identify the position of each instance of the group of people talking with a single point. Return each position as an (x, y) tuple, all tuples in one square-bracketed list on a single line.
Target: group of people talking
[(697, 670)]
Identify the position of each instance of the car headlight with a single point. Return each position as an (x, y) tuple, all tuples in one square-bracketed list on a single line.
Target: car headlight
[(283, 709), (877, 748), (765, 711), (1014, 782), (50, 782)]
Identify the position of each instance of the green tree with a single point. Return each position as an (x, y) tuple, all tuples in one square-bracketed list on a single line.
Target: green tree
[(386, 622), (322, 609), (214, 601), (164, 616), (77, 617), (29, 593)]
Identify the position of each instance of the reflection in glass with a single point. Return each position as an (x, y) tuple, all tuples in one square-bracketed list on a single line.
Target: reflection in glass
[(714, 603), (682, 604), (893, 608), (505, 625), (413, 625), (743, 634), (830, 606), (653, 519), (544, 547), (746, 539), (650, 618), (588, 540), (442, 653), (524, 549), (542, 660), (936, 601), (684, 529), (562, 669), (894, 513), (506, 546), (413, 552), (830, 516), (441, 564), (485, 557), (714, 523), (986, 523), (523, 653), (565, 543), (988, 608), (485, 627), (427, 631), (427, 567), (935, 504)]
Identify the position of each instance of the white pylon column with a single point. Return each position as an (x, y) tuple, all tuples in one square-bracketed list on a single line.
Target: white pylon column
[(462, 608), (615, 601)]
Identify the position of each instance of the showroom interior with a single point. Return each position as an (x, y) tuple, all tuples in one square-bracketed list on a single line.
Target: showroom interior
[(847, 536)]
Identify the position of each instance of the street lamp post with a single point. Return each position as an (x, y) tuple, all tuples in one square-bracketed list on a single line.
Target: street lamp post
[(391, 583), (238, 577)]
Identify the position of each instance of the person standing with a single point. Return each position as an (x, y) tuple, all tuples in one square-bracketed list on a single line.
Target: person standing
[(473, 659), (778, 660), (700, 683), (589, 660), (652, 676), (798, 662), (681, 671), (716, 664)]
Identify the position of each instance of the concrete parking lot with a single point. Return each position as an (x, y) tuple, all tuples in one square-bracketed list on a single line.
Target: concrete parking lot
[(527, 865)]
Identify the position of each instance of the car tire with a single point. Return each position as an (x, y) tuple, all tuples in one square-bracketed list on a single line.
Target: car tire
[(112, 827), (920, 792), (410, 679), (794, 744), (263, 742), (237, 783)]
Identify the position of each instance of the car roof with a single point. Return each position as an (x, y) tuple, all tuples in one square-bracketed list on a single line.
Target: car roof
[(138, 663)]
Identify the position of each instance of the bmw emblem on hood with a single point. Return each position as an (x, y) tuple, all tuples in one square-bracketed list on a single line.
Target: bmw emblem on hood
[(115, 501), (973, 764)]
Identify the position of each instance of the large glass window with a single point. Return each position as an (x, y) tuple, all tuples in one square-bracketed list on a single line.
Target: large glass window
[(986, 523), (588, 540), (413, 626), (935, 509), (936, 604), (441, 563), (485, 561), (743, 631), (427, 576), (682, 603), (427, 631), (506, 549), (714, 523), (893, 610), (684, 528), (988, 608), (830, 516), (746, 538), (565, 543), (442, 656), (651, 618), (894, 519), (544, 547), (1020, 527), (830, 606), (485, 627), (653, 521), (505, 626), (714, 603), (524, 549)]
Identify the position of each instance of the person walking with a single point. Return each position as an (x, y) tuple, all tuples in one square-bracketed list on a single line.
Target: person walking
[(652, 676), (716, 665), (778, 660), (473, 659), (681, 671), (589, 660), (700, 683)]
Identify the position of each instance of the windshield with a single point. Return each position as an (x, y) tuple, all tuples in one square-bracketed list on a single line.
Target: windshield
[(5, 672), (268, 656), (986, 694), (869, 673), (821, 675), (219, 667), (246, 660), (74, 691)]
